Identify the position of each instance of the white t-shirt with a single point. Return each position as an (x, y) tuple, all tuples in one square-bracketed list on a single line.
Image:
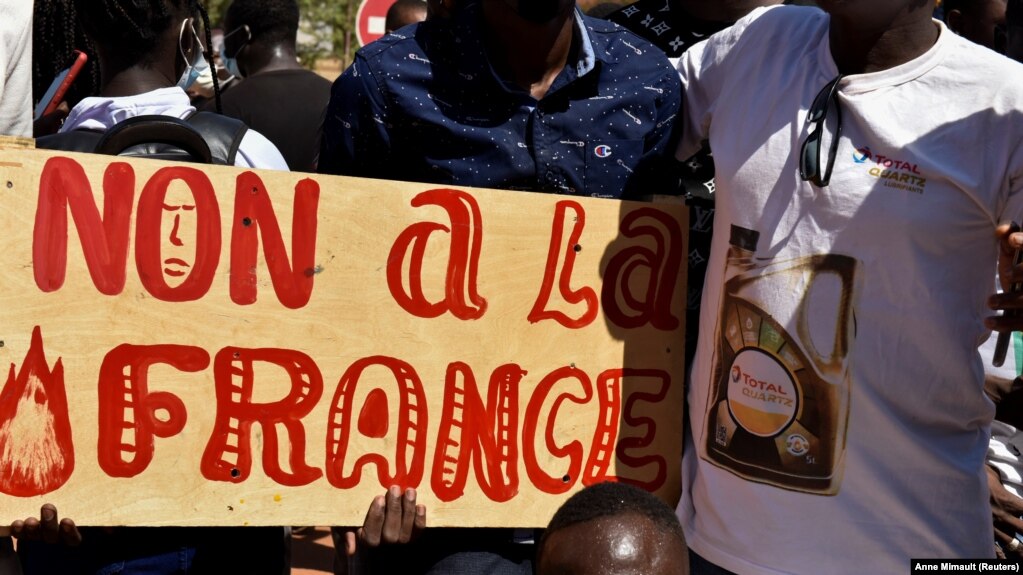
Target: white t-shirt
[(100, 113), (838, 418), (16, 68)]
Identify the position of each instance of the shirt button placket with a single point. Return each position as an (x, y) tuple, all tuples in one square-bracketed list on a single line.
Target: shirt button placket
[(542, 155)]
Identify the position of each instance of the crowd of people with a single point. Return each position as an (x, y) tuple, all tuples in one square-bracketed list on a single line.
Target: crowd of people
[(853, 169)]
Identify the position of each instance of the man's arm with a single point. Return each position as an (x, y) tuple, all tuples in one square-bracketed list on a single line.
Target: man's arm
[(356, 140), (657, 171)]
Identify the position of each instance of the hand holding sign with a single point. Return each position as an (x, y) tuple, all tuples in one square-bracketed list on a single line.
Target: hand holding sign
[(49, 528), (392, 518)]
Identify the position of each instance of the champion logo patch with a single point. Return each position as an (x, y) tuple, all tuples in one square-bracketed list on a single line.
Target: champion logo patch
[(602, 151)]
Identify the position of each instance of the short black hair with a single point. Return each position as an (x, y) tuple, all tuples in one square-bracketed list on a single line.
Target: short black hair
[(610, 499), (132, 27), (270, 21), (397, 12)]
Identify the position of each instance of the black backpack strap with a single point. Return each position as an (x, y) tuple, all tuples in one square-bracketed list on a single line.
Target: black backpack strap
[(73, 141), (222, 134), (150, 135)]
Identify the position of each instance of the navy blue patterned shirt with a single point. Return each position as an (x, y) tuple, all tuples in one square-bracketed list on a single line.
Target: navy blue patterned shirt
[(425, 105)]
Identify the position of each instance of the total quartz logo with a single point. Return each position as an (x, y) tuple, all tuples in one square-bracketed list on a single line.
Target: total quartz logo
[(762, 396), (893, 173)]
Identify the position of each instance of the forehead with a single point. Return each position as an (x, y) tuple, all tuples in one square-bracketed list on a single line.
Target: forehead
[(617, 545), (178, 193)]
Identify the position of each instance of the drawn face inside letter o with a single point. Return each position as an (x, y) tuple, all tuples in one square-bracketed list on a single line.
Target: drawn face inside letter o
[(178, 230)]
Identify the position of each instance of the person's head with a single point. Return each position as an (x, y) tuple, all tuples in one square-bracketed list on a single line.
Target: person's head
[(404, 12), (255, 31), (979, 21), (613, 529), (158, 37), (1014, 29)]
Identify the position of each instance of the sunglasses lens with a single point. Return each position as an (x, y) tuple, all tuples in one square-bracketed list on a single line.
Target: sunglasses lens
[(818, 111), (809, 168)]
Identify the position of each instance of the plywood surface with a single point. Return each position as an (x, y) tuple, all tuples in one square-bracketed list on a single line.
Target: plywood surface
[(213, 346)]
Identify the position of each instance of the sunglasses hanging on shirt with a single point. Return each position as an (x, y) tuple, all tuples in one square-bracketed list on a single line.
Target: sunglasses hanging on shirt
[(810, 153)]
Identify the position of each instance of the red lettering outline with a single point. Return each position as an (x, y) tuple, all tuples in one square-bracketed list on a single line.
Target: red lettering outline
[(412, 426), (148, 237), (625, 446), (236, 412), (663, 263), (586, 294), (487, 435), (463, 261), (573, 450), (254, 217), (63, 185), (124, 373)]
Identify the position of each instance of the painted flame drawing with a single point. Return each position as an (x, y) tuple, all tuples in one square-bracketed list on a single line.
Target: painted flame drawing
[(36, 452)]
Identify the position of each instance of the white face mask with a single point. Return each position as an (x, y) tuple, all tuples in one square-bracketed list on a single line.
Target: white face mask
[(198, 65), (204, 82)]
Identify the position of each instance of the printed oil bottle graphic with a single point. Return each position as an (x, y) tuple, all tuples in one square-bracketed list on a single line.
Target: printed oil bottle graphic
[(779, 406)]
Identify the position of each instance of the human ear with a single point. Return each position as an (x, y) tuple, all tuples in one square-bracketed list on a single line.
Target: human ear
[(954, 20)]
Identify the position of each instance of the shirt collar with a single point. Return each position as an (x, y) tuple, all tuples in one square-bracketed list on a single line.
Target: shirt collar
[(586, 59)]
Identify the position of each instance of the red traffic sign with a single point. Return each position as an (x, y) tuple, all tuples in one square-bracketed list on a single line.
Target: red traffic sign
[(370, 20)]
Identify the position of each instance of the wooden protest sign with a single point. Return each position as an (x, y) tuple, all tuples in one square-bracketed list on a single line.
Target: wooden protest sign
[(194, 345)]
